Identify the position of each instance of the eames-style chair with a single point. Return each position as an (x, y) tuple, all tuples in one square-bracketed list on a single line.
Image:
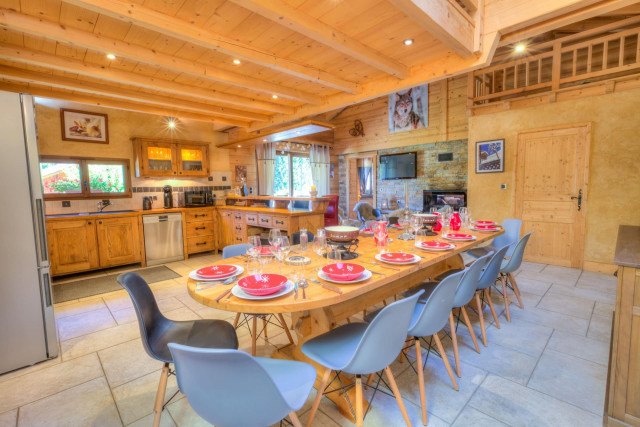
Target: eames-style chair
[(232, 388), (363, 348), (509, 238), (487, 278), (295, 238), (241, 249), (157, 332), (506, 273)]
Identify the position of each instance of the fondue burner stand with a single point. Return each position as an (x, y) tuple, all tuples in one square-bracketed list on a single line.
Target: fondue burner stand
[(347, 249)]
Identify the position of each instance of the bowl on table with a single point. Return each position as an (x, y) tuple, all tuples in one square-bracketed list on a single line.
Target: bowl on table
[(342, 233), (262, 284), (343, 271)]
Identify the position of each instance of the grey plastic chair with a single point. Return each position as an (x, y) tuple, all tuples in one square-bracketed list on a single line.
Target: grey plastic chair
[(232, 388), (241, 249), (506, 270), (429, 317), (509, 238), (487, 278), (295, 238), (361, 348), (157, 332)]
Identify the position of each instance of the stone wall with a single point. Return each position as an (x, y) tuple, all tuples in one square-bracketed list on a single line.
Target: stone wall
[(432, 175)]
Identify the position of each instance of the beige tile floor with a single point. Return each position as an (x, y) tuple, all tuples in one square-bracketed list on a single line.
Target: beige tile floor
[(545, 368)]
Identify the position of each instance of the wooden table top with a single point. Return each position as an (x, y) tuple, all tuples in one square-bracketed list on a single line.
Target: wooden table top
[(317, 296)]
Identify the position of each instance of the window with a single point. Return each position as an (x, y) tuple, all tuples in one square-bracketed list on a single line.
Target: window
[(292, 175), (67, 178)]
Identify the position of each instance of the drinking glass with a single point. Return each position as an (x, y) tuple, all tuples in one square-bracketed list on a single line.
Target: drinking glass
[(264, 259), (417, 223), (421, 236), (433, 210), (382, 245), (320, 245), (334, 256), (253, 266), (403, 222), (284, 248), (446, 222), (274, 234), (321, 232), (255, 243)]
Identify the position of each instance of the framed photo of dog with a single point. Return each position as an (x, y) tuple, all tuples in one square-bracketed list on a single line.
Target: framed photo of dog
[(409, 110), (490, 156)]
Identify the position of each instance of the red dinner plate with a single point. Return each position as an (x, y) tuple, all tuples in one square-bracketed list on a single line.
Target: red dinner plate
[(397, 257), (436, 245), (265, 250), (262, 284), (484, 223), (216, 271), (486, 227), (458, 236), (343, 271)]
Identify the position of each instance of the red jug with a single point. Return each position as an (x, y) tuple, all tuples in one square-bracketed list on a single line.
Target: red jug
[(455, 222)]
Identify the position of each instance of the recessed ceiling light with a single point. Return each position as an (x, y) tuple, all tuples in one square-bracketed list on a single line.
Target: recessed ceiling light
[(408, 42), (264, 140), (239, 146), (111, 56), (520, 47), (236, 61), (172, 122), (274, 96)]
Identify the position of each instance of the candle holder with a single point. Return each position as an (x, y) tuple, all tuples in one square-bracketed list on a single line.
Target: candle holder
[(313, 193)]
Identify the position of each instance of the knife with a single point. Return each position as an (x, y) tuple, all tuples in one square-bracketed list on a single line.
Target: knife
[(223, 295), (328, 286)]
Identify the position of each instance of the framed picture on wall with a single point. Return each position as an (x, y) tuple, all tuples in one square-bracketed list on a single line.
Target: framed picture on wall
[(409, 110), (84, 126), (490, 156), (241, 173)]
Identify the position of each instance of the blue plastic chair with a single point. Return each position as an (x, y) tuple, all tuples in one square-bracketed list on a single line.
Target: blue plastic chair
[(232, 388), (241, 249), (509, 238), (429, 317), (487, 278), (361, 348), (508, 267)]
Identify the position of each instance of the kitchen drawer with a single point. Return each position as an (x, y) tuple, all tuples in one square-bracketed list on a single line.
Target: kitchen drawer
[(200, 244), (251, 219), (199, 215), (281, 222), (201, 228), (239, 229), (237, 218), (238, 239), (264, 221)]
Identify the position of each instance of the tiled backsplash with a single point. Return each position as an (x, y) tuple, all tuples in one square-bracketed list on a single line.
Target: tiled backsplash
[(175, 188)]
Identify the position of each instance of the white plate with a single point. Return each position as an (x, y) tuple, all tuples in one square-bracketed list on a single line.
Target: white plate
[(435, 250), (484, 230), (416, 259), (459, 240), (366, 275), (194, 276), (237, 291)]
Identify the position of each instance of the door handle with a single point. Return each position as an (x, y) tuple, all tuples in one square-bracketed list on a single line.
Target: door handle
[(579, 197)]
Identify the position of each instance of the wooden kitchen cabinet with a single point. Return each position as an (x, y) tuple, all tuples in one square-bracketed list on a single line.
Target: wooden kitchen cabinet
[(73, 246), (227, 223), (160, 157), (118, 241), (200, 226)]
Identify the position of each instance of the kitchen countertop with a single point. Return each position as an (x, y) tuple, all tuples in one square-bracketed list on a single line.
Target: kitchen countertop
[(628, 246), (272, 211), (120, 213)]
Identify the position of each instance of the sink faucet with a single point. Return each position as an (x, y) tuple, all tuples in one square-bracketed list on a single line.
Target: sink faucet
[(103, 204)]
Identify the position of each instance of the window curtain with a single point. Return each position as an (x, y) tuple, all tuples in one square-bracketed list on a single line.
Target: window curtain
[(320, 158), (266, 159), (364, 173)]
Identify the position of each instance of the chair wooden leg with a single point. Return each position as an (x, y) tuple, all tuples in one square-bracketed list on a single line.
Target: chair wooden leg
[(454, 340), (516, 290), (284, 326), (493, 310), (264, 325), (384, 302), (162, 388), (369, 379), (235, 322), (423, 397), (503, 279), (359, 410), (396, 393), (254, 334), (294, 419), (348, 320), (443, 355), (465, 317), (316, 401), (481, 316)]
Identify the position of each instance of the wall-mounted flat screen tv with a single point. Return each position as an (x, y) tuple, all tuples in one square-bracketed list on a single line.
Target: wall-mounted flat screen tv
[(398, 166)]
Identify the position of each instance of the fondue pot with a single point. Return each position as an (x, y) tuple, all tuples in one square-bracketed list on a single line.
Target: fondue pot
[(342, 233)]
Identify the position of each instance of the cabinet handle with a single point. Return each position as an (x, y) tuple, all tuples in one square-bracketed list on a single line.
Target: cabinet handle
[(280, 222), (180, 173), (201, 243), (99, 222), (199, 215), (264, 220), (89, 222), (239, 228), (201, 228), (174, 173)]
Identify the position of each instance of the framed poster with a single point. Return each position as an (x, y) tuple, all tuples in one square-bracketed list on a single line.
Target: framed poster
[(490, 156), (409, 110), (241, 173), (84, 126)]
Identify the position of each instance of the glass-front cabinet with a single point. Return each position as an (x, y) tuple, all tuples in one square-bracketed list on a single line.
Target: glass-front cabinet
[(159, 157)]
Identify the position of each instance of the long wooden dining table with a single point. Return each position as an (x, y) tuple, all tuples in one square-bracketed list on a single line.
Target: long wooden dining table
[(324, 309)]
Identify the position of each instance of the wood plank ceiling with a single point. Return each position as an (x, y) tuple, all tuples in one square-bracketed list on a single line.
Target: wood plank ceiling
[(250, 63)]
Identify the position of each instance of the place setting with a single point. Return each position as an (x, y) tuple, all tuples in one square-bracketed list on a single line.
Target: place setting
[(398, 258), (345, 273), (207, 277), (485, 226), (262, 286)]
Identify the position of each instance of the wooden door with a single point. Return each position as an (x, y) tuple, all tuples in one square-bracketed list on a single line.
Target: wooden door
[(193, 160), (72, 246), (226, 228), (118, 241), (552, 168)]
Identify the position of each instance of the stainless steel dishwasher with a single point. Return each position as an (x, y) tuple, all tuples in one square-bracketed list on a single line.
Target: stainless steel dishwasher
[(163, 238)]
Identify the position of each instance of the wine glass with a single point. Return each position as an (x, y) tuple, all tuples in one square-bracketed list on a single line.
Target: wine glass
[(255, 243), (417, 223), (403, 222), (284, 248), (274, 234), (320, 245), (433, 210)]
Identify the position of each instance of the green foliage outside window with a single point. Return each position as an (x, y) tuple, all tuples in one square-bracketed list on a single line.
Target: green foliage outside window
[(300, 181)]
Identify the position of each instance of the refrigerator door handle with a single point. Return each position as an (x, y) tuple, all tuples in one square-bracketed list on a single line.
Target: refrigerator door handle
[(41, 235), (51, 338)]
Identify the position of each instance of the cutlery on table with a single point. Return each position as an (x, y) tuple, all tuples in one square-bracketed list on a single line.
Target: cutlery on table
[(303, 284), (207, 285), (327, 286), (227, 292), (385, 266)]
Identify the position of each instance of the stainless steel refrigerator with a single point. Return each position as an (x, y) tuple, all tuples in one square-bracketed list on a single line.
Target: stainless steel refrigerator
[(27, 328)]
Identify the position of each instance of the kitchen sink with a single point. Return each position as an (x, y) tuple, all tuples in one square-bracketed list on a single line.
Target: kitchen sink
[(93, 213)]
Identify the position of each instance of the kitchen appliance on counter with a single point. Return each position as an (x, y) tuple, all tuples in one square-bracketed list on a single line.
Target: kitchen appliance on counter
[(28, 332), (147, 203), (199, 199), (178, 199), (168, 196), (163, 238)]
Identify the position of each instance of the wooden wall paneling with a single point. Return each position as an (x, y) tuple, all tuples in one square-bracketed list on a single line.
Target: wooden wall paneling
[(244, 157)]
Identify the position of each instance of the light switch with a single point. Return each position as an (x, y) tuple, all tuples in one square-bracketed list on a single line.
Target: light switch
[(503, 186)]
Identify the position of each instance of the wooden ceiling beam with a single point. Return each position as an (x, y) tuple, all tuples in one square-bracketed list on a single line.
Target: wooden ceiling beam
[(47, 92), (445, 19), (284, 14), (18, 74), (50, 30), (125, 77), (145, 17)]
